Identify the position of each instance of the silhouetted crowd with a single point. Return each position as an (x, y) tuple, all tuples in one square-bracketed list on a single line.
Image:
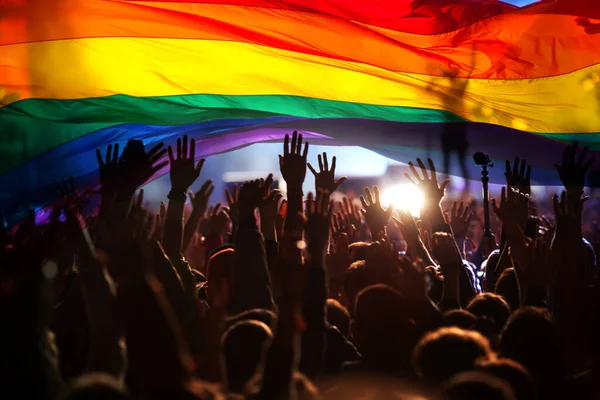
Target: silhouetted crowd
[(300, 297)]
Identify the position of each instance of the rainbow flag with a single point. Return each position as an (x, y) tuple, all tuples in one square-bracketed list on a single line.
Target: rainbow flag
[(388, 75)]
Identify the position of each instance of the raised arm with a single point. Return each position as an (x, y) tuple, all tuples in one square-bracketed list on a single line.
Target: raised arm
[(318, 215), (158, 360), (325, 179), (252, 287), (106, 353), (433, 193), (376, 216), (445, 251), (183, 174), (293, 169), (282, 357), (199, 202)]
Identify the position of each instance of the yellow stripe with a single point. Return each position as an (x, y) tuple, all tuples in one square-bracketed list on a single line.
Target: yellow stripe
[(73, 69)]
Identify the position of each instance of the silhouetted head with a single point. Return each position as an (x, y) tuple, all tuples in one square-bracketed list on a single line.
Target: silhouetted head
[(507, 286), (219, 271), (476, 386), (531, 338), (514, 373), (492, 312), (97, 386), (267, 317), (338, 316), (244, 345), (355, 280), (448, 351), (358, 251), (383, 329), (460, 318)]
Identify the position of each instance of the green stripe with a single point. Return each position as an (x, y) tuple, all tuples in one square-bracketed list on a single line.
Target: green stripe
[(30, 127)]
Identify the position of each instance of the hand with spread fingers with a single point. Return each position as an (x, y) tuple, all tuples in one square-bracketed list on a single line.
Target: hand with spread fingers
[(183, 171), (408, 226), (325, 178), (459, 219), (252, 194), (519, 177), (427, 182), (201, 198), (571, 172), (110, 170), (512, 210), (568, 215), (122, 175), (340, 224), (535, 269), (69, 196), (351, 212), (293, 161), (218, 221), (269, 211), (376, 216), (318, 213)]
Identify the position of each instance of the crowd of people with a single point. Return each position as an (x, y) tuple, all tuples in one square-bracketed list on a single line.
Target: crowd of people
[(301, 297)]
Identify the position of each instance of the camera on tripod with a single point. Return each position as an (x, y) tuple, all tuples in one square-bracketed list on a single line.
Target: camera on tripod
[(482, 159)]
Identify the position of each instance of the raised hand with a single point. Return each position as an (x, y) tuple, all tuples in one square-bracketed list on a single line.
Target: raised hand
[(128, 246), (444, 249), (568, 215), (183, 171), (519, 177), (460, 219), (218, 221), (318, 220), (124, 175), (535, 270), (252, 194), (325, 178), (408, 227), (572, 173), (68, 193), (233, 203), (160, 222), (110, 170), (428, 183), (382, 260), (293, 162), (351, 212), (136, 213), (375, 216), (201, 198), (513, 209), (144, 165), (340, 224), (269, 212)]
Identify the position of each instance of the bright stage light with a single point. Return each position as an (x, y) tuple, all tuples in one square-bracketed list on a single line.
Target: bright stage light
[(404, 197)]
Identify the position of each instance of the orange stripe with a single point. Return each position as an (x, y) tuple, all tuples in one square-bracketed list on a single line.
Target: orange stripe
[(513, 46)]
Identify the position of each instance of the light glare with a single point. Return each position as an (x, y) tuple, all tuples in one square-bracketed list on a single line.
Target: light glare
[(404, 197)]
